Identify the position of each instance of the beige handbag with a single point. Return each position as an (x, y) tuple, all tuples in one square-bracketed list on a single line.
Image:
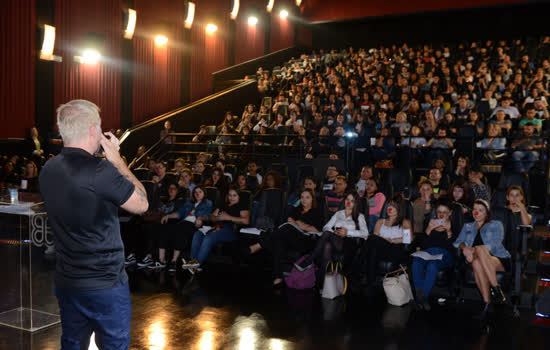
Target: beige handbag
[(397, 287), (335, 283)]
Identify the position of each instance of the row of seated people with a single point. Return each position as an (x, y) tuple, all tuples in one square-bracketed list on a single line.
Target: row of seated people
[(185, 218), (19, 172), (464, 182), (520, 152)]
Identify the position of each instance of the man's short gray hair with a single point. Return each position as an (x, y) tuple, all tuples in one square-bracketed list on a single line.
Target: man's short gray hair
[(75, 118)]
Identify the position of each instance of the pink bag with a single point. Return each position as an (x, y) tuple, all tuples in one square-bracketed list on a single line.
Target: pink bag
[(301, 280)]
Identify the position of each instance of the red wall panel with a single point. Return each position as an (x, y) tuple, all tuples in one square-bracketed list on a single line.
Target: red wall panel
[(157, 69), (282, 30), (99, 83), (208, 50), (17, 37), (250, 40), (330, 10)]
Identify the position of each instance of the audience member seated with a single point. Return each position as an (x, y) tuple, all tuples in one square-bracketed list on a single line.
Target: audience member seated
[(439, 239), (223, 138), (160, 179), (526, 149), (530, 117), (515, 199), (192, 216), (481, 245), (438, 185), (494, 143), (459, 195), (243, 183), (507, 108), (9, 175), (307, 183), (501, 122), (253, 171), (479, 189), (367, 173), (375, 200), (228, 122), (386, 241), (462, 168), (440, 146), (294, 236), (385, 146), (220, 164), (201, 136), (165, 233), (333, 198), (228, 220), (343, 225), (422, 206), (330, 178), (179, 166), (217, 179), (185, 182), (29, 181)]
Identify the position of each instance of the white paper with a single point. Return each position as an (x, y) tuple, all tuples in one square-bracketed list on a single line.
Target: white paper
[(190, 219), (205, 229), (427, 256), (251, 231)]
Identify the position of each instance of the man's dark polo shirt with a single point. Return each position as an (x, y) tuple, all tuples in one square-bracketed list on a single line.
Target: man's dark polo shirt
[(82, 195)]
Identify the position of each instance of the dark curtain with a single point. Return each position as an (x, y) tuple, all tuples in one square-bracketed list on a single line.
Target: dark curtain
[(157, 69), (305, 36), (17, 39), (209, 50), (249, 40), (99, 83)]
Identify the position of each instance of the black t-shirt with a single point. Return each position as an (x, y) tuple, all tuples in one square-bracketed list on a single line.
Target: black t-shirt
[(311, 217), (234, 210), (478, 240), (82, 196), (438, 239)]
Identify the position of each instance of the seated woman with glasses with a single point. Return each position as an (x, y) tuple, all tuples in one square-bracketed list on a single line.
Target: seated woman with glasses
[(438, 240), (481, 244)]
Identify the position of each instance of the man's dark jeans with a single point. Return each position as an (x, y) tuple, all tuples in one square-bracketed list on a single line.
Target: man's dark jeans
[(106, 312)]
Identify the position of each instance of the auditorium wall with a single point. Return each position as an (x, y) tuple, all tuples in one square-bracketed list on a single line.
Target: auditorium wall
[(136, 79), (479, 23)]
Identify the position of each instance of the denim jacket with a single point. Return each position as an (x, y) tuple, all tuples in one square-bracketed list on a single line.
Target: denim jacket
[(492, 234), (205, 208)]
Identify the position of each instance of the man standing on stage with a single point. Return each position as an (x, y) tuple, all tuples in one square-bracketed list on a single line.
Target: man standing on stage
[(82, 195)]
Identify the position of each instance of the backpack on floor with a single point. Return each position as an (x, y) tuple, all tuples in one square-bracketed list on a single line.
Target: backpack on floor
[(301, 279)]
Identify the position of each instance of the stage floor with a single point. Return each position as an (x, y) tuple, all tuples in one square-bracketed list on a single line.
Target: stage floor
[(223, 308)]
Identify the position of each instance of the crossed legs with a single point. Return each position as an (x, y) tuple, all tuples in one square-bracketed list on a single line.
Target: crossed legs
[(485, 267)]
